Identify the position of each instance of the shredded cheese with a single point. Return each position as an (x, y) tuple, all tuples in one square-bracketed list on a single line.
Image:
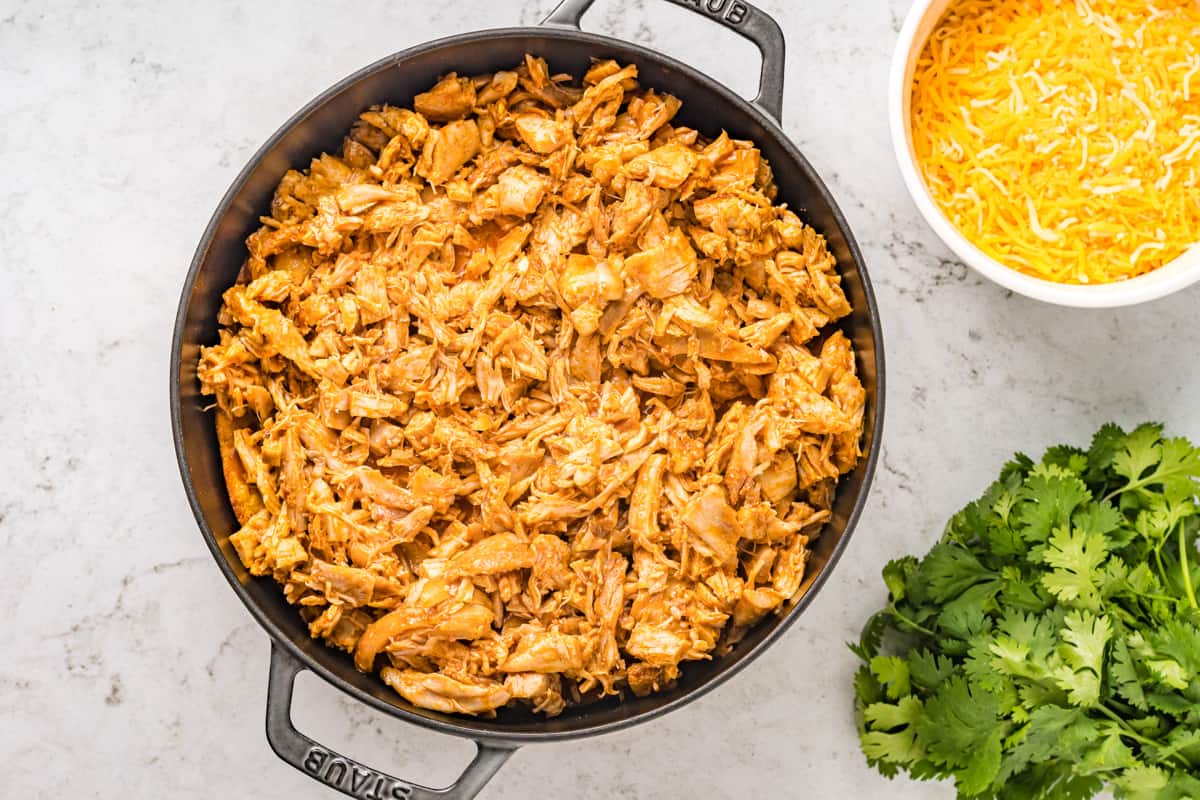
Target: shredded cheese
[(1062, 136)]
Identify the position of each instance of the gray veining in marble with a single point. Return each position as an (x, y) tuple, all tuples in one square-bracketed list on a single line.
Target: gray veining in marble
[(128, 668)]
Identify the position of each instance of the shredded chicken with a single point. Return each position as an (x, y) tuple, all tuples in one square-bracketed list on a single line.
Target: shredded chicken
[(530, 396)]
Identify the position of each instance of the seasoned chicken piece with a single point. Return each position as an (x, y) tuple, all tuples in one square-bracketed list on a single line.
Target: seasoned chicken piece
[(848, 395), (585, 280), (542, 690), (344, 585), (645, 679), (356, 198), (439, 692), (502, 552), (545, 651), (659, 645), (447, 149), (645, 503), (341, 629), (729, 214), (807, 408), (754, 604), (738, 170), (374, 484), (760, 523), (500, 86), (764, 333), (744, 454), (518, 191), (607, 608), (714, 524), (247, 541), (587, 286), (646, 113), (665, 269), (633, 213), (551, 556), (435, 489), (720, 347), (553, 91), (603, 90), (667, 166), (542, 134), (279, 334), (451, 98), (382, 630), (471, 622), (370, 294), (778, 479)]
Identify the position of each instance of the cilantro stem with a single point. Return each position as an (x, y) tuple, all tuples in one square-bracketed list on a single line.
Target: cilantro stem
[(896, 613), (1126, 731), (1162, 597), (1162, 571), (1153, 477), (1185, 569)]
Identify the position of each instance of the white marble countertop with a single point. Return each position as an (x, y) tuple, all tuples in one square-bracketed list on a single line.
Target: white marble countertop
[(130, 670)]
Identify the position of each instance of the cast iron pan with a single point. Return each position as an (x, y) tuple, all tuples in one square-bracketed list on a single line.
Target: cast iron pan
[(707, 106)]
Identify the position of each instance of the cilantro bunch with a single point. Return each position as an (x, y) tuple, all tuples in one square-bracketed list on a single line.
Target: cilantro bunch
[(1049, 645)]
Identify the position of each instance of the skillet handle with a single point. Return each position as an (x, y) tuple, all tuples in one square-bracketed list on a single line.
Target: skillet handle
[(737, 15), (345, 774)]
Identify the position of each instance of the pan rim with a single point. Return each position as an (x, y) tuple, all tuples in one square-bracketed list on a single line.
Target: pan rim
[(481, 730)]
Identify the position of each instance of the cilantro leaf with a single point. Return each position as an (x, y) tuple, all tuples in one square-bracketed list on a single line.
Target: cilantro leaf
[(902, 747), (1124, 676), (866, 688), (947, 572), (1086, 635), (984, 765), (1142, 580), (1075, 557), (892, 673), (1018, 592), (871, 637), (1141, 451), (1169, 702), (1181, 641), (888, 736), (896, 576), (1140, 782), (1149, 460), (958, 720), (1180, 786), (1053, 732), (927, 670), (1106, 443), (1109, 755), (1100, 518), (1047, 500), (967, 615), (886, 716), (1065, 457)]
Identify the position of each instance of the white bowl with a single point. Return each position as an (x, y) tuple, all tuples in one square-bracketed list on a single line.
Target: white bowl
[(1170, 277)]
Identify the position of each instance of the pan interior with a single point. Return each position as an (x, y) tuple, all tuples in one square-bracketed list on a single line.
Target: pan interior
[(320, 127)]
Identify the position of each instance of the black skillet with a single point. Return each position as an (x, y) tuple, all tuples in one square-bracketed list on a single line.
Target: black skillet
[(707, 106)]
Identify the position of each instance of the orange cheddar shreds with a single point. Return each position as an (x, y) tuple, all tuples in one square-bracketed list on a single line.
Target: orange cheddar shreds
[(1063, 138)]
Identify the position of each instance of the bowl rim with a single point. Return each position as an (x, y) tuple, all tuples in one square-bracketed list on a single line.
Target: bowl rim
[(1177, 274), (478, 729)]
